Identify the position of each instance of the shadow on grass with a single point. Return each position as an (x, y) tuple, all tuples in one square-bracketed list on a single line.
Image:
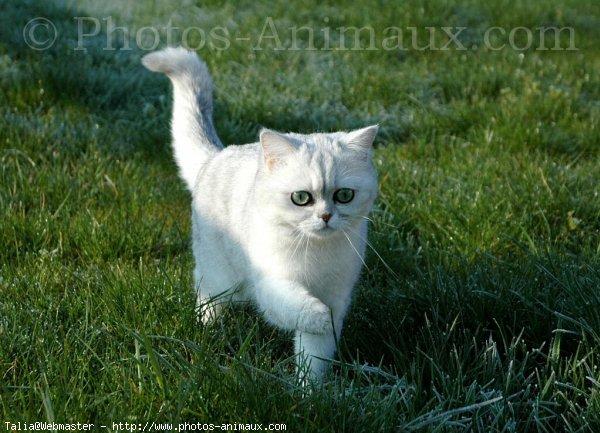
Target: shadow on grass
[(106, 90), (443, 304)]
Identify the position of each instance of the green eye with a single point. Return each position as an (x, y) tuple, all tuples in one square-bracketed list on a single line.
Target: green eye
[(301, 198), (343, 195)]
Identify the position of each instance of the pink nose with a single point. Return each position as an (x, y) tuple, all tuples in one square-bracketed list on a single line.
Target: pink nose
[(326, 217)]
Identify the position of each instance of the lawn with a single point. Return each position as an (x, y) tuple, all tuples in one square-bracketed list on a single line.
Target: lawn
[(479, 307)]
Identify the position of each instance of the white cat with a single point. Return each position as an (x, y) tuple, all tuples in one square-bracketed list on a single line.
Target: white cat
[(281, 223)]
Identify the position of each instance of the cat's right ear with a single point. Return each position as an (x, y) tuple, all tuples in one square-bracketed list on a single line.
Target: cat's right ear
[(276, 147)]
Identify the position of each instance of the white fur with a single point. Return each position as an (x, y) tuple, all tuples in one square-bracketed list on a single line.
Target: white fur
[(249, 239), (194, 136)]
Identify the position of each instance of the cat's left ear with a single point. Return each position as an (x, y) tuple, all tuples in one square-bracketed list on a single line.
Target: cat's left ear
[(276, 147), (362, 139)]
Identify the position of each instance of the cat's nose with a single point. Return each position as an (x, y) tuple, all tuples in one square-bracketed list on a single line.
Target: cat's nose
[(326, 217)]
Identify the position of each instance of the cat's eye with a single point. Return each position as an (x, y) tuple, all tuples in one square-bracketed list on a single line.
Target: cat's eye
[(302, 198), (343, 195)]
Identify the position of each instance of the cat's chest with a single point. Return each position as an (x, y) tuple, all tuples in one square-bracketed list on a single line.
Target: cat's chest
[(323, 268)]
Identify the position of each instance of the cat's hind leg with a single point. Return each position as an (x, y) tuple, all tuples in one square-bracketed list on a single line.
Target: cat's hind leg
[(213, 291), (208, 302), (214, 281)]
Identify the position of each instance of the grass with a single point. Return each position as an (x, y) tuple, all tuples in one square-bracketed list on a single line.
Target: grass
[(480, 310)]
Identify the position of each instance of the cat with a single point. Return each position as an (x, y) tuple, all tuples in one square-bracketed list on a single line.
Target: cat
[(282, 221)]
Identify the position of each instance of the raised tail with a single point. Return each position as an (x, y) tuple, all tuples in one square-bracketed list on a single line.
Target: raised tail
[(192, 129)]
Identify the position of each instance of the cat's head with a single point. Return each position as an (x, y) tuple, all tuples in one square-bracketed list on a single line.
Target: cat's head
[(318, 184)]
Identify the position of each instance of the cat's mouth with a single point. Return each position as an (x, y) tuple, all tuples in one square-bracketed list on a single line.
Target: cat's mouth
[(321, 229), (322, 232)]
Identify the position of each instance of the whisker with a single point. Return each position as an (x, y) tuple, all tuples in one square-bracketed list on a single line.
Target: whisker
[(379, 222), (306, 254), (297, 241), (388, 267), (355, 250)]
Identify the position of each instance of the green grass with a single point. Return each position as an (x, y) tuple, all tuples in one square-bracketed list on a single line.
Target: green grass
[(480, 311)]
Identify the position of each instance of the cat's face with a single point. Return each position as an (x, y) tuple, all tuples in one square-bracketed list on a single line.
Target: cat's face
[(318, 185)]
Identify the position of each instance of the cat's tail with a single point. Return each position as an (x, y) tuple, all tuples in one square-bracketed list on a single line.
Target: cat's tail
[(194, 137)]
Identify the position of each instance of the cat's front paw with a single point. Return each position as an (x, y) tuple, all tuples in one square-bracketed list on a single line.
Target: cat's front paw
[(315, 318)]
